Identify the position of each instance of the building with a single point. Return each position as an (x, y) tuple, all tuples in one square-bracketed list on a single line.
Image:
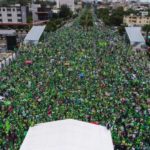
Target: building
[(134, 20), (69, 3), (10, 42), (40, 12), (13, 14), (144, 13), (135, 37)]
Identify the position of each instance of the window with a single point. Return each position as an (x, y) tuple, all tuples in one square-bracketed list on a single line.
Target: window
[(18, 9), (9, 15), (3, 9), (0, 15), (9, 20), (13, 9), (8, 9), (19, 20), (0, 20), (19, 15)]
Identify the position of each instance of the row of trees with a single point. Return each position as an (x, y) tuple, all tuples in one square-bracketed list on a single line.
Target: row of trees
[(9, 2), (146, 28), (114, 17), (59, 19), (86, 20)]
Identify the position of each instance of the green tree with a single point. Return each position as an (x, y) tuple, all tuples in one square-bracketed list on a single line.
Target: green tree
[(65, 12), (121, 29), (8, 2), (130, 11), (103, 13), (86, 20), (117, 16), (146, 28)]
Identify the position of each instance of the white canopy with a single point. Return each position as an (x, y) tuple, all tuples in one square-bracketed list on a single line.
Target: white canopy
[(67, 135), (135, 35), (34, 34)]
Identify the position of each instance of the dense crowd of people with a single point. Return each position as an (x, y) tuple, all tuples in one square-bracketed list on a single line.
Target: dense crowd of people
[(91, 76)]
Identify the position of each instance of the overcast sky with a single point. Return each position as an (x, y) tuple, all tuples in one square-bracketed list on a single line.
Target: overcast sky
[(145, 0)]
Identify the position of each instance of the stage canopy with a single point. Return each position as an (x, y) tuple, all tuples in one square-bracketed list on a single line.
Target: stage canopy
[(34, 35), (67, 135)]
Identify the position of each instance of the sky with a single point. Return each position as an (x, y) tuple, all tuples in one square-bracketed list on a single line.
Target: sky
[(145, 0), (140, 0)]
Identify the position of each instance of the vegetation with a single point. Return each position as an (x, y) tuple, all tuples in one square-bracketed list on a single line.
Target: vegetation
[(86, 19), (131, 11), (54, 24), (146, 28), (8, 2), (60, 19), (113, 18), (65, 12)]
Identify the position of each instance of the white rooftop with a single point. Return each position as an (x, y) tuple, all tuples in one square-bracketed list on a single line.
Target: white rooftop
[(134, 34), (68, 135), (34, 34)]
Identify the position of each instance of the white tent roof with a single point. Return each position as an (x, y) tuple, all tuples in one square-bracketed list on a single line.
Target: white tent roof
[(67, 135), (134, 34), (35, 33)]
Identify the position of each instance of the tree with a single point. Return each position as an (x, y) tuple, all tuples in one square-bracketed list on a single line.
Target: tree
[(53, 25), (103, 13), (86, 20), (121, 29), (146, 28), (65, 12), (8, 2), (130, 11), (117, 16)]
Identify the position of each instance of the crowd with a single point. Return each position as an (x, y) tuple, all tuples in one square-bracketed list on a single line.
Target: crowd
[(86, 75)]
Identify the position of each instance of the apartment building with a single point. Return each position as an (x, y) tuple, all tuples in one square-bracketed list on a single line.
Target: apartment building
[(13, 14), (134, 20), (40, 12)]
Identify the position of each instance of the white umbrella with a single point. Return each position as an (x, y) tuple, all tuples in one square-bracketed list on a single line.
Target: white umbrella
[(67, 135)]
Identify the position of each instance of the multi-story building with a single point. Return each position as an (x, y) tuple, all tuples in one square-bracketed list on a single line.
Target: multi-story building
[(13, 14), (134, 20), (40, 12)]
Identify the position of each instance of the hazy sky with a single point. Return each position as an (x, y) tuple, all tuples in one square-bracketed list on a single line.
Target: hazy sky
[(145, 0)]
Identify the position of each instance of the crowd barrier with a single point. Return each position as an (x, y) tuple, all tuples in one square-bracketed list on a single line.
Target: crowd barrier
[(7, 61)]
